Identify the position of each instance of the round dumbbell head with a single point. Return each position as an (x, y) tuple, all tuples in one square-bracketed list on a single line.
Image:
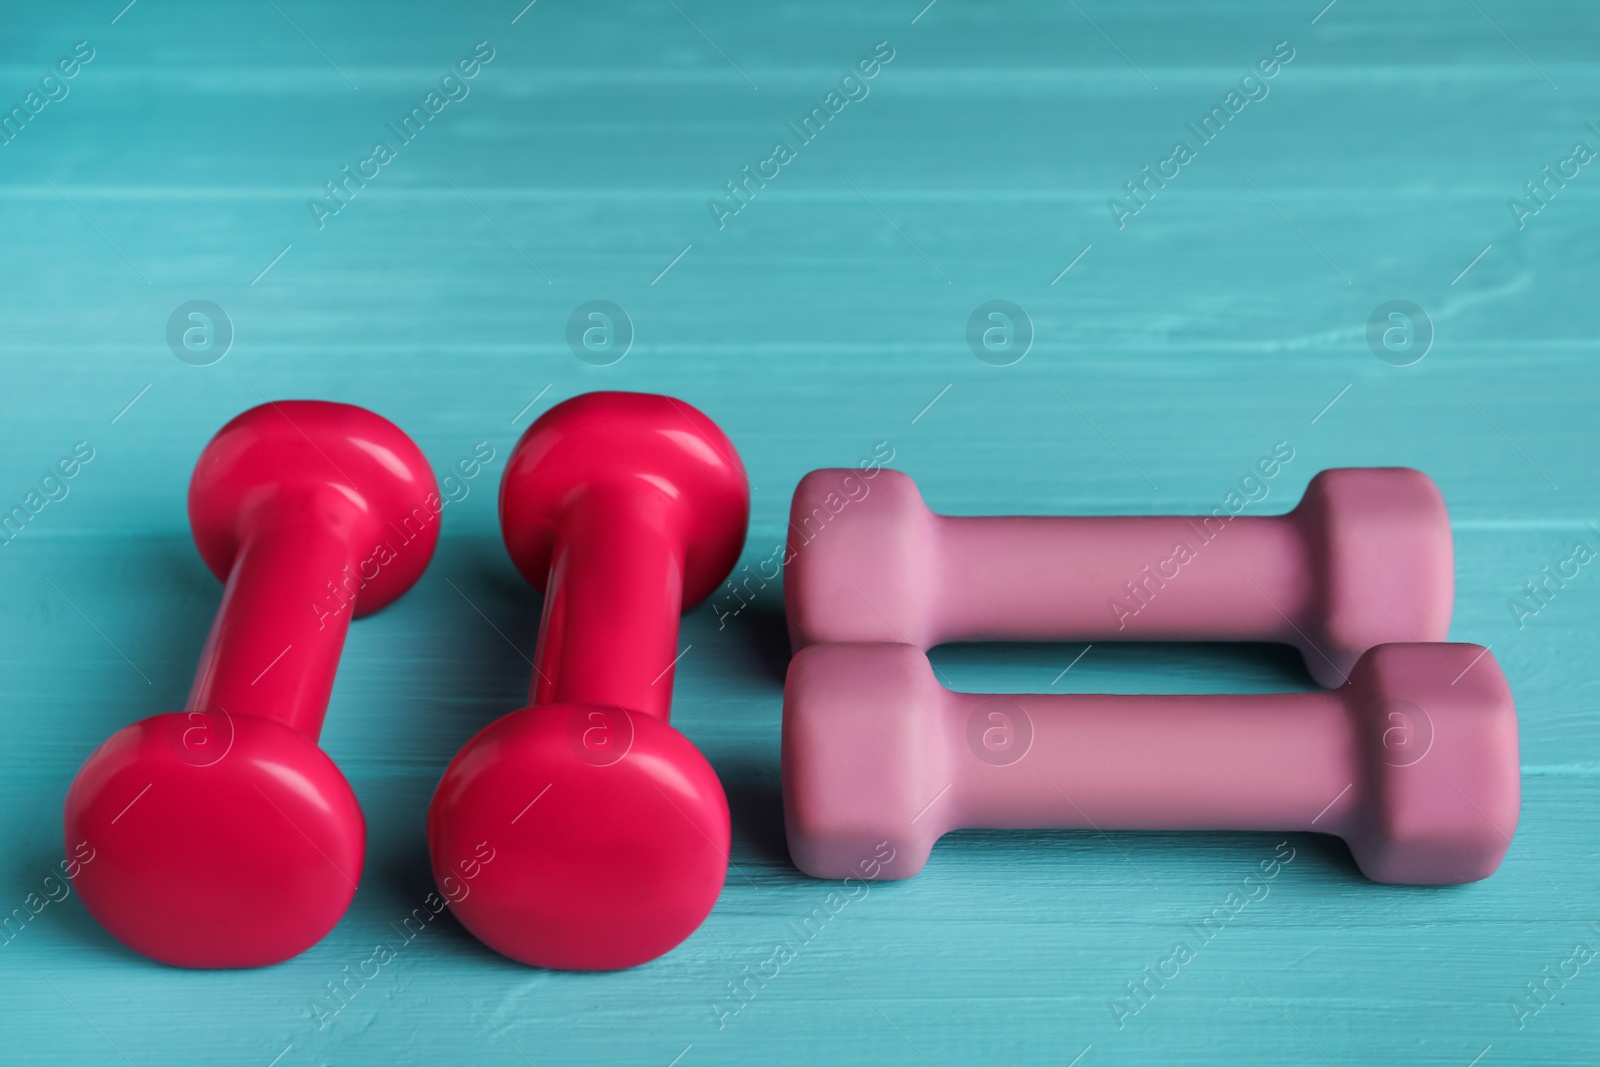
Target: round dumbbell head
[(296, 453), (579, 837), (214, 840), (640, 443)]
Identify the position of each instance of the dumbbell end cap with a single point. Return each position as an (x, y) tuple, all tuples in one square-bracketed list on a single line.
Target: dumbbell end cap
[(864, 771), (579, 837), (208, 840), (863, 561), (300, 451), (1386, 570), (1442, 790), (654, 446)]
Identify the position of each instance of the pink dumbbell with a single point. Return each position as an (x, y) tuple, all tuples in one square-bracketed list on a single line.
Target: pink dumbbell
[(1413, 761), (1365, 559), (224, 836)]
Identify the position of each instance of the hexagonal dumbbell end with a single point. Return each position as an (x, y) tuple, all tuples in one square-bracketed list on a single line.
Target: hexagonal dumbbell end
[(866, 561), (1442, 790), (1383, 560), (1366, 558), (865, 749)]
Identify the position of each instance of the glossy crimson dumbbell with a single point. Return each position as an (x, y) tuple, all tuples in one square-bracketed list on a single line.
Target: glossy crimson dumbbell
[(223, 836), (1365, 559), (1413, 761), (608, 828)]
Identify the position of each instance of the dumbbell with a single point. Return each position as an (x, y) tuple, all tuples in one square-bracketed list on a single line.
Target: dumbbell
[(1365, 559), (609, 830), (1413, 761), (222, 835)]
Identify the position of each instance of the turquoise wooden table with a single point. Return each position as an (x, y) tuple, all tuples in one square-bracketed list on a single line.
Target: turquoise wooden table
[(1199, 217)]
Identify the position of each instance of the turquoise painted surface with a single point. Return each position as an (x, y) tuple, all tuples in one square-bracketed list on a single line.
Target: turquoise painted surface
[(826, 316)]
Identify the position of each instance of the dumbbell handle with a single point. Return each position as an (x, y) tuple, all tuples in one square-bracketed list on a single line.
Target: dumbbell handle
[(275, 642), (1025, 578), (609, 635), (1364, 559), (1259, 762), (1413, 761)]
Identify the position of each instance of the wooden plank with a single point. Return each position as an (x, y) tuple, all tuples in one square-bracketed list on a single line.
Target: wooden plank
[(828, 315)]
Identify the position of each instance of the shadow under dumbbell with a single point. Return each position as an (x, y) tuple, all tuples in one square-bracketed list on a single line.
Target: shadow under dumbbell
[(484, 623), (399, 904), (755, 802), (1121, 667), (182, 614), (1151, 859), (762, 632), (397, 869), (177, 598), (490, 623), (37, 881)]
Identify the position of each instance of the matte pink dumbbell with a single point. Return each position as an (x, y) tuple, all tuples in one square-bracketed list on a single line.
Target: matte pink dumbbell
[(1413, 761), (1365, 559)]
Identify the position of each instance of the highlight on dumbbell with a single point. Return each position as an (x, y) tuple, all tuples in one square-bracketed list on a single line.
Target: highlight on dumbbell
[(224, 837), (610, 829), (1366, 559), (1413, 761)]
